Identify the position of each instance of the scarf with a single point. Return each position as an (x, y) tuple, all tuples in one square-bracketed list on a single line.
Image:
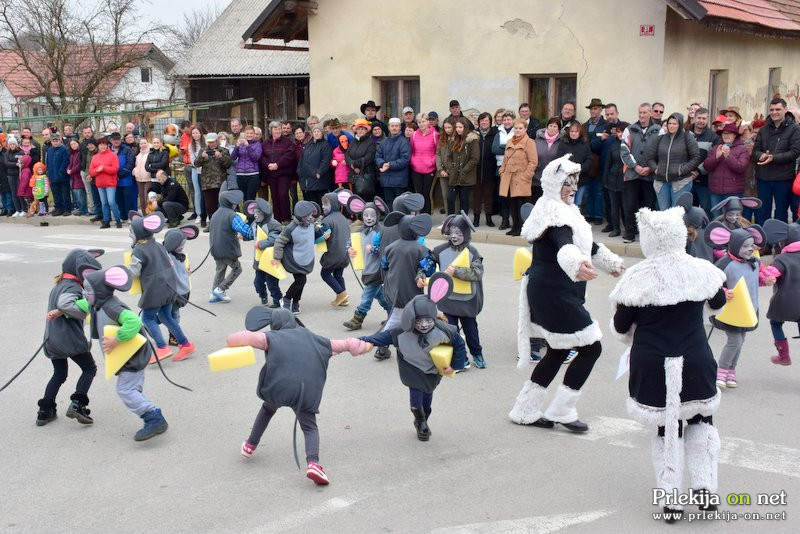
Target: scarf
[(515, 140), (550, 140)]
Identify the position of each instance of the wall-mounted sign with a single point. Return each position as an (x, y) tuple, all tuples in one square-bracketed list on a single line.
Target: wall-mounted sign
[(647, 30)]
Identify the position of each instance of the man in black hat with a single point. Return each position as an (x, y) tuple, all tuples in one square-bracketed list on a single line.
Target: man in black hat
[(455, 113), (433, 119), (370, 111)]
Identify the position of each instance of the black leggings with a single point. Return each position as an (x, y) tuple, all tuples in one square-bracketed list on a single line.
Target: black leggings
[(463, 193), (578, 370), (696, 420), (248, 185), (308, 423), (334, 279), (295, 291), (60, 370), (422, 185)]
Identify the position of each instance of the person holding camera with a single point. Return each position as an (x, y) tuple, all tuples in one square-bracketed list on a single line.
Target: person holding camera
[(214, 162)]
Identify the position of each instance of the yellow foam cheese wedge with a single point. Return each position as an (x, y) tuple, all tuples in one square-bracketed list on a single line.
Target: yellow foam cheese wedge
[(260, 236), (522, 260), (136, 284), (739, 311), (442, 356), (186, 264), (231, 358), (265, 264), (322, 246), (120, 355), (462, 287), (242, 215), (358, 259)]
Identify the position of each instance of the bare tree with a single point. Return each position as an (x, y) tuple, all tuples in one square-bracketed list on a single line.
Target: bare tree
[(186, 33), (68, 55)]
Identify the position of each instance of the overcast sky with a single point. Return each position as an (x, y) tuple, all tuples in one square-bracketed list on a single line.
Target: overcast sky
[(172, 11)]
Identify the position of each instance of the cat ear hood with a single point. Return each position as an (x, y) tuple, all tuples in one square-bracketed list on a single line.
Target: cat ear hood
[(460, 221), (555, 173)]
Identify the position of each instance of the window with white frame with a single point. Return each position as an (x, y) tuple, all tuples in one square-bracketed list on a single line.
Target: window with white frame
[(147, 74)]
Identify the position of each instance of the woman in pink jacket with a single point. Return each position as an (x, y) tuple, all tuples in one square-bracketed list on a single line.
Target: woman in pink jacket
[(727, 163), (338, 163), (423, 159)]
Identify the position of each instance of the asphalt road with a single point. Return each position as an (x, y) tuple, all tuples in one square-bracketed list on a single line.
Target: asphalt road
[(478, 473)]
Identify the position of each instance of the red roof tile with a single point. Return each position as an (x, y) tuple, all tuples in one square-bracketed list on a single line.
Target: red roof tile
[(23, 84), (776, 14)]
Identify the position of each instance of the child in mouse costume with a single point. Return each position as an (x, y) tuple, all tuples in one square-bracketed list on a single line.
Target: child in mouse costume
[(64, 339), (463, 308), (107, 309), (336, 258), (371, 276), (154, 267), (738, 263), (731, 216), (785, 302), (225, 228), (418, 333), (696, 221), (174, 241), (672, 369), (294, 248), (293, 376), (261, 211)]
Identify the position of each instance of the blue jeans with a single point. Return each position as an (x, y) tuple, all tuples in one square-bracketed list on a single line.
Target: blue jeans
[(98, 204), (127, 197), (781, 191), (666, 198), (263, 279), (594, 198), (716, 199), (703, 196), (370, 292), (163, 314), (61, 198), (108, 198), (8, 204), (79, 201), (199, 204), (334, 279)]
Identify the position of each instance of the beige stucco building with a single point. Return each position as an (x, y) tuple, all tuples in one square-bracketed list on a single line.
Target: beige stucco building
[(490, 54)]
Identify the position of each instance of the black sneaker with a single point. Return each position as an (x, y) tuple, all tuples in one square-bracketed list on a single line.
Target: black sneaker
[(627, 238), (119, 224), (614, 233), (264, 301), (295, 307), (105, 225), (56, 213), (275, 304), (607, 228), (96, 218), (193, 216)]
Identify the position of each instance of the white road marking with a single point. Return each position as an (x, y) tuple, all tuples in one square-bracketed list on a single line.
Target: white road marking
[(117, 237), (543, 524), (737, 452), (299, 518)]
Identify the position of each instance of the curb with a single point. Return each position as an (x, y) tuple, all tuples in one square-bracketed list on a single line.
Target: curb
[(630, 250), (50, 220)]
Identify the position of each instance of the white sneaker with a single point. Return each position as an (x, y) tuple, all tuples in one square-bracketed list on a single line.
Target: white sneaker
[(17, 214), (221, 295)]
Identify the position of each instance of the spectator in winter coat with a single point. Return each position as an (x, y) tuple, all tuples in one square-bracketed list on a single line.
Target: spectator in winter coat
[(336, 130), (533, 124), (727, 163), (423, 159), (127, 194), (92, 195), (75, 180), (614, 182), (392, 159), (140, 174), (638, 176), (776, 150), (504, 133), (247, 154), (11, 163), (279, 160), (214, 161), (337, 162), (516, 172), (104, 167), (57, 161), (173, 202), (706, 138), (486, 177), (314, 169), (672, 157), (600, 145), (461, 162), (158, 159), (548, 143), (575, 143), (197, 144), (442, 152), (360, 159)]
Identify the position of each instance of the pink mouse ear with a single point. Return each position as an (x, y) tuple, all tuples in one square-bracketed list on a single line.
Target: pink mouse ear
[(250, 208), (380, 204), (86, 271), (153, 223), (438, 290), (757, 233), (116, 276), (720, 235), (343, 195), (190, 231), (356, 205)]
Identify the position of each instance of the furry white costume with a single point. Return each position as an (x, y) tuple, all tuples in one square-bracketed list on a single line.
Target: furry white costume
[(660, 312), (551, 303)]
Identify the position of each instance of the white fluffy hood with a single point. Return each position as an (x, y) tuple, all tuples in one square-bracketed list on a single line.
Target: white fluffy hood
[(554, 174), (667, 275)]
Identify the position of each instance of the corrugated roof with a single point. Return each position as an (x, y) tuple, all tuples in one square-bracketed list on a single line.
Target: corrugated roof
[(80, 61), (219, 51), (775, 14)]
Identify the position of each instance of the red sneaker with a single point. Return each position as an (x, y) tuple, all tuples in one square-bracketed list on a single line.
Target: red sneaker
[(185, 350), (162, 353), (247, 449), (317, 474)]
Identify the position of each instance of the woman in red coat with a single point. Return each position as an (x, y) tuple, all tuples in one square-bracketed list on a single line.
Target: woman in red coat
[(103, 169)]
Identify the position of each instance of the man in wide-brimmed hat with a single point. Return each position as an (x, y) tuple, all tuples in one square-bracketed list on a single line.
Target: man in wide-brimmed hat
[(370, 111), (336, 130)]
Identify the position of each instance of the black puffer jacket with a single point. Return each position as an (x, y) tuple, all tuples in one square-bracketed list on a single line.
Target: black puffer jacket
[(613, 172), (10, 161), (674, 157), (361, 154), (487, 165), (157, 160), (580, 152), (314, 170), (783, 143)]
